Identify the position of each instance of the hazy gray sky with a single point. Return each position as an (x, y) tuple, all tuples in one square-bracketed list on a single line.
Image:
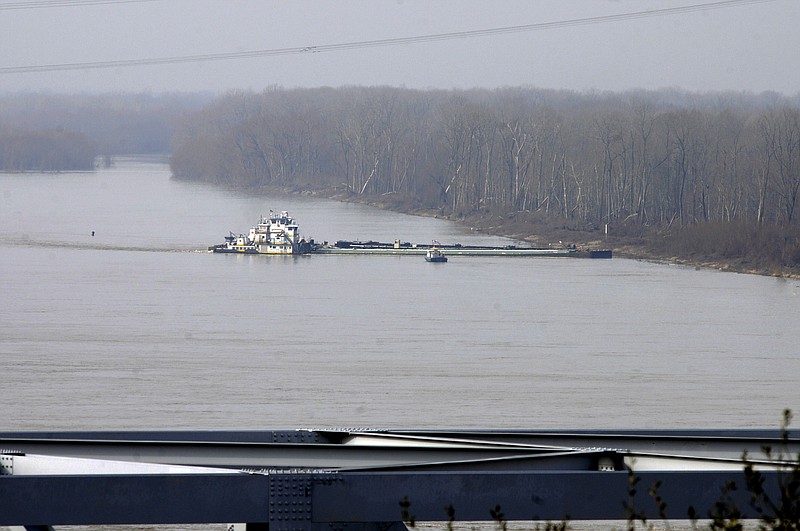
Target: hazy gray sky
[(750, 45)]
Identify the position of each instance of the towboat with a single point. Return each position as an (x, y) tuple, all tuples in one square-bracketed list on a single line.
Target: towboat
[(279, 234), (275, 234)]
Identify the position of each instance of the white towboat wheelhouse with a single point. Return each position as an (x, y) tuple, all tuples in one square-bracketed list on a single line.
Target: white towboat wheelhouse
[(277, 234)]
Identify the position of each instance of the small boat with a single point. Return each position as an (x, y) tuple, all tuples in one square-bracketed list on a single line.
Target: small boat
[(435, 254)]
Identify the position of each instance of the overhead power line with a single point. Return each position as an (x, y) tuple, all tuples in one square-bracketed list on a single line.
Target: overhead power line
[(41, 4), (271, 52)]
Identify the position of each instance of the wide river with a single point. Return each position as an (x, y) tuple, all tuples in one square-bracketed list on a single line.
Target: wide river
[(138, 326)]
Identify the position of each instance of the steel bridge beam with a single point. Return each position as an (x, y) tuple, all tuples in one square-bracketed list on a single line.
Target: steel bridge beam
[(347, 449), (273, 478), (133, 499), (309, 501)]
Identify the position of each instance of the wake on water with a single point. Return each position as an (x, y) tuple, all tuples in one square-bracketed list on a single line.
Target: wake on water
[(27, 241)]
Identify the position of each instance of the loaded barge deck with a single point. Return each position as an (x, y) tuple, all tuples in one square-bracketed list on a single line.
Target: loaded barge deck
[(343, 247), (279, 234)]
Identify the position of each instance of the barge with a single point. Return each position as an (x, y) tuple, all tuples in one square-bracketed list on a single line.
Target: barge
[(279, 234)]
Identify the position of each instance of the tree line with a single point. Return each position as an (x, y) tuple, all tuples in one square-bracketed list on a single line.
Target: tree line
[(45, 151), (60, 132), (631, 161), (650, 158)]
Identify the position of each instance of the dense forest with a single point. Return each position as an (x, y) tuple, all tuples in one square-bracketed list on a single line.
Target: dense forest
[(52, 132), (45, 151), (637, 163)]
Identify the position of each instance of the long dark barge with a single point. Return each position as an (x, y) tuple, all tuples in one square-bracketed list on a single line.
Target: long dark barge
[(279, 234), (456, 249)]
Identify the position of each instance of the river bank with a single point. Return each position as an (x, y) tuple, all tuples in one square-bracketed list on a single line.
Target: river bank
[(761, 250), (724, 247), (643, 243), (679, 246)]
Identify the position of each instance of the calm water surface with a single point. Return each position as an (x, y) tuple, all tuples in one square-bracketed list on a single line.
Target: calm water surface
[(139, 327)]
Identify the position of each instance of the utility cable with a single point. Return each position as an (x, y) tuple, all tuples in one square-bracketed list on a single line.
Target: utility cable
[(543, 26), (42, 4)]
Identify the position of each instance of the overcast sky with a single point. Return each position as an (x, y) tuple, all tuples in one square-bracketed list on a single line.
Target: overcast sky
[(746, 45)]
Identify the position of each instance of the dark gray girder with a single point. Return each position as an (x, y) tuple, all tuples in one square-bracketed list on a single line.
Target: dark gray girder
[(133, 499), (308, 501), (356, 479), (374, 497)]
